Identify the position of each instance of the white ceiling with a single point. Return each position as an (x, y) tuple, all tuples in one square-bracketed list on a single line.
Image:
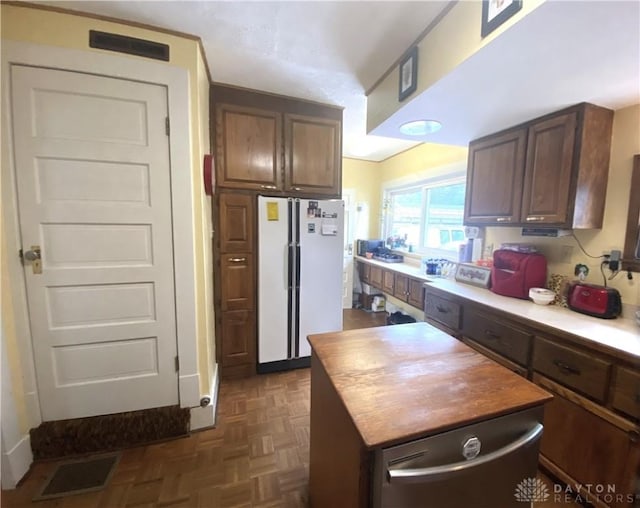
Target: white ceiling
[(329, 52), (562, 53)]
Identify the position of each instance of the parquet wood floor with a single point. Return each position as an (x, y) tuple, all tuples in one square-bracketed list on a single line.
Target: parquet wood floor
[(257, 456)]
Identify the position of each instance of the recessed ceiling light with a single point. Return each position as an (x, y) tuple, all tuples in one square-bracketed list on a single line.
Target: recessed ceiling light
[(420, 127)]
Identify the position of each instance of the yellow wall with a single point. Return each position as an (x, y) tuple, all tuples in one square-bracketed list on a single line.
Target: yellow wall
[(421, 161), (364, 178), (454, 39), (27, 24), (625, 144)]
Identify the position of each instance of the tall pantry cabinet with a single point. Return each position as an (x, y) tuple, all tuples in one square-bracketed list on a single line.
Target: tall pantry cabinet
[(268, 145)]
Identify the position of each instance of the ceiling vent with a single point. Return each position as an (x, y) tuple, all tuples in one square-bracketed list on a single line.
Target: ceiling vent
[(129, 45)]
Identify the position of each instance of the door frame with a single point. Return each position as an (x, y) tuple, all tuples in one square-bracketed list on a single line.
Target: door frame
[(176, 81)]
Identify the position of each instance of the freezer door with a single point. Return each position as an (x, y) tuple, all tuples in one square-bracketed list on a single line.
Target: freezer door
[(273, 275), (321, 259), (486, 465)]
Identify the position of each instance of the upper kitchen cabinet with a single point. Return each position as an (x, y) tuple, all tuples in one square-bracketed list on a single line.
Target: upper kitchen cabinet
[(313, 155), (248, 142), (276, 145), (551, 171), (494, 180)]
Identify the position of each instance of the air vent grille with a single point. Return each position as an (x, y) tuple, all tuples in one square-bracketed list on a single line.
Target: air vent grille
[(130, 45)]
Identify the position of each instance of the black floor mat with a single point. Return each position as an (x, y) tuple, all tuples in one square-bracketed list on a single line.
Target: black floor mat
[(79, 476)]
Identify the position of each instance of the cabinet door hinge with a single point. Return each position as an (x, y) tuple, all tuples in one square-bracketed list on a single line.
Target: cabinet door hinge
[(167, 126), (177, 361)]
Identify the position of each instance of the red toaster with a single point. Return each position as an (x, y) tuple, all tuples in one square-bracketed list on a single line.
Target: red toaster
[(598, 301), (514, 273)]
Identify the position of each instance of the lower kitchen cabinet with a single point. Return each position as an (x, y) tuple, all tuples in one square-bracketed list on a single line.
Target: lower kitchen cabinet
[(590, 445), (239, 343), (388, 281), (375, 277), (415, 298), (393, 283), (592, 427)]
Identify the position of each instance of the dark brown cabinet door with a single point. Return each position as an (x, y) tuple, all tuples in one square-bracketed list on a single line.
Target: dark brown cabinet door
[(415, 297), (401, 289), (248, 148), (237, 282), (313, 161), (388, 278), (588, 447), (239, 339), (236, 222), (375, 277), (364, 270), (494, 179), (548, 170)]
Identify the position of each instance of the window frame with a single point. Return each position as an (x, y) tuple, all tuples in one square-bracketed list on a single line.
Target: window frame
[(425, 183)]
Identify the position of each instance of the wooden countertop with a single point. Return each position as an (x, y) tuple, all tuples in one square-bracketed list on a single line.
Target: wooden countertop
[(407, 381)]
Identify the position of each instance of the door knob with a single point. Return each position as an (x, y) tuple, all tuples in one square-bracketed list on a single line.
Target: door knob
[(33, 254), (34, 257)]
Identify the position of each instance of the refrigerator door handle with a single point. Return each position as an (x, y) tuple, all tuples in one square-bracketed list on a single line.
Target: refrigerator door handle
[(288, 261), (297, 266)]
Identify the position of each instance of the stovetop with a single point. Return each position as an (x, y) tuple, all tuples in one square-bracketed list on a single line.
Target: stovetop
[(388, 257)]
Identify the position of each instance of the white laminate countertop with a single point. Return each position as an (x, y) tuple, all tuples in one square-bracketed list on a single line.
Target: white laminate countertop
[(620, 334)]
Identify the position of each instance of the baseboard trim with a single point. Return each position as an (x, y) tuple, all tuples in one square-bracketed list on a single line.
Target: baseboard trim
[(189, 390), (205, 417), (295, 363), (16, 463)]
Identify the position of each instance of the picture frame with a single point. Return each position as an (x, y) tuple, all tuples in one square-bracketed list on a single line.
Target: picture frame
[(408, 74), (496, 12), (474, 275)]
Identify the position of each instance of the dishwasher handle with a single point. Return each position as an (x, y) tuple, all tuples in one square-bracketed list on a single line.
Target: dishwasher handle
[(441, 472)]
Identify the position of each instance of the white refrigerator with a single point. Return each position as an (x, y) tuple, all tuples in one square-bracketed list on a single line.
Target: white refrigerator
[(300, 251)]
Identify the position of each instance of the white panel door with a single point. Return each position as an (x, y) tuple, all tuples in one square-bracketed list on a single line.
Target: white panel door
[(92, 165), (348, 197), (321, 269), (273, 283)]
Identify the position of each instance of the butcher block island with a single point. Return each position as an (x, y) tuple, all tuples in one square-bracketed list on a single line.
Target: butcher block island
[(407, 416)]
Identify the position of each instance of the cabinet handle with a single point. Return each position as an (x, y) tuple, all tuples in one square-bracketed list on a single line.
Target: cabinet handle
[(297, 188), (566, 369), (237, 260), (492, 335), (503, 219), (444, 310), (534, 219), (270, 187)]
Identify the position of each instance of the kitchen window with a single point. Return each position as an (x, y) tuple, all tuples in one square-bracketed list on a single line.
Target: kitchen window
[(425, 217)]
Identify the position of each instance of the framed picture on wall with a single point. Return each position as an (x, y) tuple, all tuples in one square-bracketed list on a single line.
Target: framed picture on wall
[(496, 12), (408, 74)]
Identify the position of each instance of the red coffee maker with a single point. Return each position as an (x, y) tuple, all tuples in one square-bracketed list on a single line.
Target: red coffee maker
[(514, 273)]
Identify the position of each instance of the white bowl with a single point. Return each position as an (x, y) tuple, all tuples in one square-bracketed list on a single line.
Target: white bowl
[(541, 296)]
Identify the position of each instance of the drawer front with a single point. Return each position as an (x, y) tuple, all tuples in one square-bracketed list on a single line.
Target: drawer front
[(442, 310), (572, 368), (626, 392), (500, 337)]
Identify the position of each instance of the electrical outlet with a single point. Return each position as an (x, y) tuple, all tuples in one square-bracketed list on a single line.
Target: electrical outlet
[(614, 260)]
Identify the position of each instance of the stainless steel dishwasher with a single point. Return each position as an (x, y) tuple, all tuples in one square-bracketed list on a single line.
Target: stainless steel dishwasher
[(476, 466)]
